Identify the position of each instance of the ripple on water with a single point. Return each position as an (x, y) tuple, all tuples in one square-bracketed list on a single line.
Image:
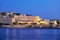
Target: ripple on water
[(29, 34)]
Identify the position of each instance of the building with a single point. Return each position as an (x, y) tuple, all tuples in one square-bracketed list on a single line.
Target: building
[(13, 19), (26, 19)]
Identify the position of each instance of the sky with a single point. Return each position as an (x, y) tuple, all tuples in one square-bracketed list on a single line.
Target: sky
[(47, 9)]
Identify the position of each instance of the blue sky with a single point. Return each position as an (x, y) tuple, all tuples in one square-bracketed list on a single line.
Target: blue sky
[(49, 9)]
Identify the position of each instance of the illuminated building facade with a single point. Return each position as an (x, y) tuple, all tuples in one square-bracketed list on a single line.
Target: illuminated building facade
[(14, 19)]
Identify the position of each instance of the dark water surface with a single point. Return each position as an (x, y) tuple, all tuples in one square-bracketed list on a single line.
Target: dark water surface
[(29, 34)]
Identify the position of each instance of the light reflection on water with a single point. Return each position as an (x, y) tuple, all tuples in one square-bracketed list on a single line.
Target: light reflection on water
[(7, 33), (29, 34)]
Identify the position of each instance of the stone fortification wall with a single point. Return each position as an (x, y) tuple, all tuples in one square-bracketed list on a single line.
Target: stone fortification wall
[(6, 20)]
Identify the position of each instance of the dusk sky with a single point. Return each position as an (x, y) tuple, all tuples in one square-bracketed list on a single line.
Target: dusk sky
[(49, 9)]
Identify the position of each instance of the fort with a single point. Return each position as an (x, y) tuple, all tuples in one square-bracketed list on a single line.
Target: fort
[(17, 20)]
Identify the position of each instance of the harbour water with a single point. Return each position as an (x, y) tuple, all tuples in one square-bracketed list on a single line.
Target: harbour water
[(29, 34)]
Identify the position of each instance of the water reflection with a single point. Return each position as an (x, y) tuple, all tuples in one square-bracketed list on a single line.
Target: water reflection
[(29, 34), (7, 33)]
